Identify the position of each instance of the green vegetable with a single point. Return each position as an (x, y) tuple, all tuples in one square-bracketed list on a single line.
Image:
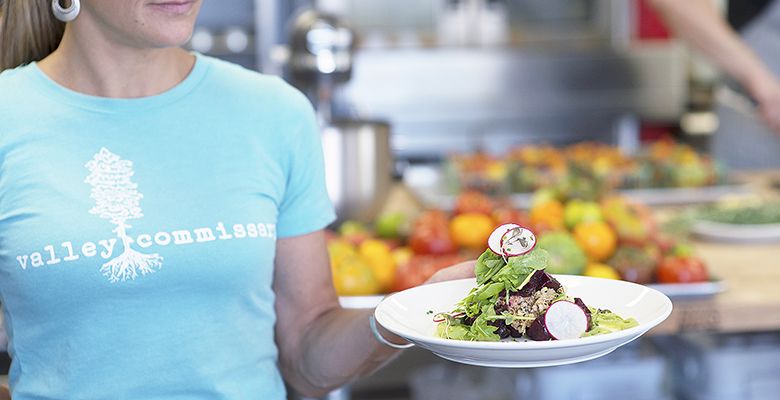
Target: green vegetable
[(566, 256), (605, 321), (480, 330), (519, 269), (749, 214), (487, 265), (494, 275)]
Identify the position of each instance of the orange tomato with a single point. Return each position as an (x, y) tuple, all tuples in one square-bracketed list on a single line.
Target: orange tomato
[(547, 216), (471, 230), (354, 277), (597, 239)]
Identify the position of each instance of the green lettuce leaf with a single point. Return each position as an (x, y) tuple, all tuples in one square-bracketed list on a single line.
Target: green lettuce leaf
[(480, 330), (519, 269), (488, 264)]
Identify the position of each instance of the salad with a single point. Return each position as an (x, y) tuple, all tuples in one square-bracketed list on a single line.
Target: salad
[(516, 299)]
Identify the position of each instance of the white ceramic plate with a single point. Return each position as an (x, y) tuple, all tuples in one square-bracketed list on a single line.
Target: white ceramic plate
[(360, 301), (428, 183), (719, 231), (408, 314), (698, 289), (680, 196)]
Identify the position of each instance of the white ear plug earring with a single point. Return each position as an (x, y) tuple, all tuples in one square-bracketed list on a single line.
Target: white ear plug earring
[(66, 14)]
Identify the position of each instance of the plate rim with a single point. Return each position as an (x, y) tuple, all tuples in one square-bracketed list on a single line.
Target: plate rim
[(739, 232), (530, 345)]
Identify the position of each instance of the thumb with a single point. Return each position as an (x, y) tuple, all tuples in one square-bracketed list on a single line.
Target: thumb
[(458, 271)]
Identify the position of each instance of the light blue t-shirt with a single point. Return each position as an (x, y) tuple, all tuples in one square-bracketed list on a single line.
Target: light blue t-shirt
[(137, 236)]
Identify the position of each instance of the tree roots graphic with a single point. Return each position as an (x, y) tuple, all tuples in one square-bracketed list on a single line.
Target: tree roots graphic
[(129, 264)]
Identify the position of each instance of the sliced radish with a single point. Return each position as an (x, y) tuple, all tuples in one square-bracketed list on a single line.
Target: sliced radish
[(510, 240), (494, 241), (565, 320)]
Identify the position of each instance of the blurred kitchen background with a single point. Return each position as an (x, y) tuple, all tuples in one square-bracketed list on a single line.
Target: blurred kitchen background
[(452, 75), (402, 85)]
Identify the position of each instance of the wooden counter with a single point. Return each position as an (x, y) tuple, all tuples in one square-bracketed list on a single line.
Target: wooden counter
[(751, 301), (751, 272)]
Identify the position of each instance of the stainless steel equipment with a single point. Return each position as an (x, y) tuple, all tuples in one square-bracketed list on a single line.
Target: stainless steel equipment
[(321, 50), (358, 166), (321, 45), (358, 160)]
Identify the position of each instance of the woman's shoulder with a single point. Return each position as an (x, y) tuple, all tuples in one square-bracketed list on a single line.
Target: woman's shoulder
[(15, 94), (14, 78), (253, 87)]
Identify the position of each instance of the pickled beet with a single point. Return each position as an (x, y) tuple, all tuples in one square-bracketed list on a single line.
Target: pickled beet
[(539, 280), (538, 331), (578, 301)]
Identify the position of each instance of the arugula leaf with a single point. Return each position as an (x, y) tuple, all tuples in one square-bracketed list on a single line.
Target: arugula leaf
[(481, 330), (455, 331), (520, 268), (487, 265)]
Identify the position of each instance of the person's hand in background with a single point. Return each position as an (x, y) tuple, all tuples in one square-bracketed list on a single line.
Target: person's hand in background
[(5, 394), (699, 24), (458, 271), (768, 98)]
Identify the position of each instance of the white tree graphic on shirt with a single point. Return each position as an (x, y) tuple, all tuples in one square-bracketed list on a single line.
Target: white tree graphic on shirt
[(118, 200)]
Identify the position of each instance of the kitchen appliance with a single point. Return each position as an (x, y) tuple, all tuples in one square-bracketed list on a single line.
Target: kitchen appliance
[(358, 160), (358, 167), (321, 50)]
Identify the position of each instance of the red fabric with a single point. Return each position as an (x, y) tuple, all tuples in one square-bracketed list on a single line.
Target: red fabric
[(652, 132), (649, 24)]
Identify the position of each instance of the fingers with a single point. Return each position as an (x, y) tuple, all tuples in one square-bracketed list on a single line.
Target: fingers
[(458, 271), (770, 112)]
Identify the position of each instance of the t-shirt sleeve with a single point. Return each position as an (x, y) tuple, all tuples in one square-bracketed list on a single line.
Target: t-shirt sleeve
[(306, 206)]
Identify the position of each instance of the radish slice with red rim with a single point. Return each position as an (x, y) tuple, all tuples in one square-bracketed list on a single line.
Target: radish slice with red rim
[(511, 240), (565, 320)]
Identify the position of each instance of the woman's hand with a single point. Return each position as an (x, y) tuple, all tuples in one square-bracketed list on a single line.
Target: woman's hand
[(768, 97), (458, 271), (5, 394)]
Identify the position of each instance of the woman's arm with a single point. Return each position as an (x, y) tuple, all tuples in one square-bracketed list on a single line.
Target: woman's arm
[(698, 23), (321, 345)]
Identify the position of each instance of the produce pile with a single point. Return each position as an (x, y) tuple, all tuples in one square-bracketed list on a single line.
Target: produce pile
[(401, 251), (515, 298), (741, 213), (611, 238), (584, 169)]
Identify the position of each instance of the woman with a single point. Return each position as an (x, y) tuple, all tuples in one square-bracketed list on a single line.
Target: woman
[(161, 217), (753, 60)]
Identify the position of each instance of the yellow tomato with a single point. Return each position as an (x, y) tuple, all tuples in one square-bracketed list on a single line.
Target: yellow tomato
[(354, 277), (378, 255), (597, 239), (598, 270), (471, 230), (402, 255), (338, 250)]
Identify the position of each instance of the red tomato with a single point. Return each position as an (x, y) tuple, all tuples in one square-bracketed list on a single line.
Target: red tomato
[(473, 201), (420, 268), (681, 269), (430, 219), (431, 234), (506, 215), (431, 241)]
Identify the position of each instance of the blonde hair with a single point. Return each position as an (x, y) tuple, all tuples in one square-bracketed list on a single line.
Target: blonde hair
[(28, 32)]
